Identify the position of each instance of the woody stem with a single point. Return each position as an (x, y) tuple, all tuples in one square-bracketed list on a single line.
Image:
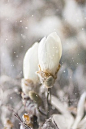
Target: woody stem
[(48, 94)]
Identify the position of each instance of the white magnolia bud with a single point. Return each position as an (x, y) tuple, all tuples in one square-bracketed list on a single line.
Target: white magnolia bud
[(49, 53), (30, 63)]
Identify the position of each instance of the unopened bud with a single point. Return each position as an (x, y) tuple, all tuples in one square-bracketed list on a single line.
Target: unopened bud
[(36, 98), (49, 82)]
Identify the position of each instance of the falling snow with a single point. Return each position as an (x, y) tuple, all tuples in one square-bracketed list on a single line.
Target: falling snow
[(22, 24)]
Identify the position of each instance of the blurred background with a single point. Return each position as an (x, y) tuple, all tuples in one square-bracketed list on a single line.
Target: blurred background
[(24, 22)]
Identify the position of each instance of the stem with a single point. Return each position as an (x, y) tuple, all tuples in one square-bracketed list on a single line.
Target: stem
[(42, 112), (48, 93)]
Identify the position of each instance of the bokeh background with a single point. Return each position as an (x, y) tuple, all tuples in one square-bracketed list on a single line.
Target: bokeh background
[(24, 22)]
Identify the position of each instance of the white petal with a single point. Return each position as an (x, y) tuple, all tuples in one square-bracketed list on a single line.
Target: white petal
[(82, 123), (80, 110), (49, 53), (30, 63), (65, 120), (62, 121)]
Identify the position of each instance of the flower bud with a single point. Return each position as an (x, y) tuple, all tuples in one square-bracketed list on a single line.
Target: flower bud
[(49, 82), (49, 53), (26, 119), (36, 98), (30, 63)]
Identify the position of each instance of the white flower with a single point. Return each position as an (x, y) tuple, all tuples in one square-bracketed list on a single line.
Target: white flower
[(80, 111), (65, 120), (30, 63), (49, 53)]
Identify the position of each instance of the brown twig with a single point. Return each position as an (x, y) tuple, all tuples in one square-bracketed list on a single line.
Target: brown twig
[(17, 116), (55, 124)]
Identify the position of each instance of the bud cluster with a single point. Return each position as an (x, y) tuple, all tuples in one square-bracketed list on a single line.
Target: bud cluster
[(40, 67)]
